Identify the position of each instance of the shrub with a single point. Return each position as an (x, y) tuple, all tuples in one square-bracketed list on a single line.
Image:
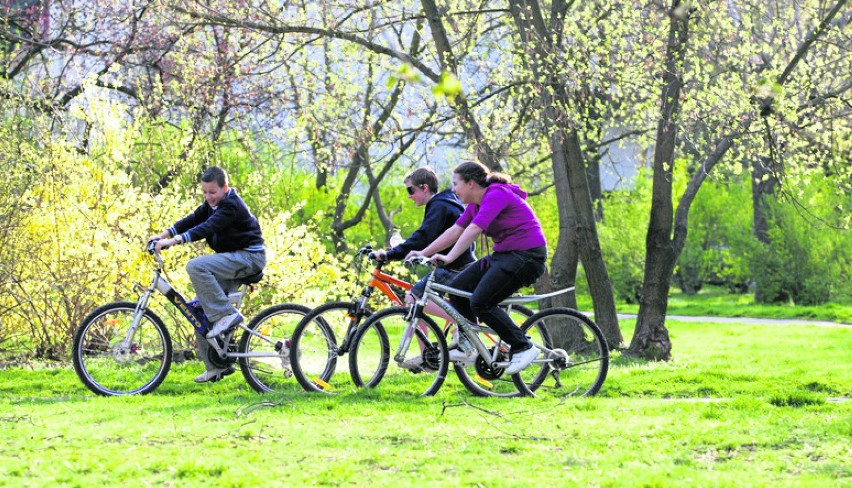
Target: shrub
[(622, 237), (720, 239), (806, 261)]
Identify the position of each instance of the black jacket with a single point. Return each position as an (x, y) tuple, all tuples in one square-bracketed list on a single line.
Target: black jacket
[(441, 213), (230, 227)]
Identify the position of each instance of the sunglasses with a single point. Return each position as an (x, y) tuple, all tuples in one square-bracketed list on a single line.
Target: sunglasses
[(411, 189)]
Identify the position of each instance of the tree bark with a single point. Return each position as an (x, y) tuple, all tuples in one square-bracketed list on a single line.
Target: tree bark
[(763, 185), (572, 187), (651, 338)]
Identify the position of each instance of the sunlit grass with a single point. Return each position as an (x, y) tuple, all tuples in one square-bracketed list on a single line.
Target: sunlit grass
[(718, 302), (738, 405)]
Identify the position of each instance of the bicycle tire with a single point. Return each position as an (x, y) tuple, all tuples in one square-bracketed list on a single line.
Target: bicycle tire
[(110, 368), (370, 354), (314, 347), (580, 359), (482, 380), (275, 324)]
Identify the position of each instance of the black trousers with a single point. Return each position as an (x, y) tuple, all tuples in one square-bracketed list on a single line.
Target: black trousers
[(492, 279)]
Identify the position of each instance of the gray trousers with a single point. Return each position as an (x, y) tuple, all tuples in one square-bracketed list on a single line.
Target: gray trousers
[(213, 276)]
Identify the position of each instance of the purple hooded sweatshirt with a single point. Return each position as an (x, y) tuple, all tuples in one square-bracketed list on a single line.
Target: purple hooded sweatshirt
[(505, 217)]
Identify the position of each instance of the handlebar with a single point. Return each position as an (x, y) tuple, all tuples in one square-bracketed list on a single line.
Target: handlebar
[(423, 261), (151, 247), (368, 251)]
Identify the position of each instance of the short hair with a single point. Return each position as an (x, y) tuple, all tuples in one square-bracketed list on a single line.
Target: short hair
[(215, 173), (423, 176)]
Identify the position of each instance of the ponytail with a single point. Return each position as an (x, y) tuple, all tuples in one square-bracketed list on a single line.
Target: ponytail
[(479, 174)]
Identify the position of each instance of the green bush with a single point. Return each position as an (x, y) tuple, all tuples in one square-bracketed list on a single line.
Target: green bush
[(82, 223), (806, 261), (719, 240), (622, 237)]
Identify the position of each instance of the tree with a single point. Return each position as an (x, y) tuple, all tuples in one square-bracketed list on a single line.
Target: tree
[(668, 229)]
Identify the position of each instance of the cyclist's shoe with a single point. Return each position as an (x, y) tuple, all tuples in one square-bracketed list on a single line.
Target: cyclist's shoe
[(415, 365), (214, 375), (521, 359), (225, 323), (463, 357)]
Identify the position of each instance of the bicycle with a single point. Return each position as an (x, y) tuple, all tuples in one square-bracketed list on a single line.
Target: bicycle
[(327, 332), (124, 348), (573, 351)]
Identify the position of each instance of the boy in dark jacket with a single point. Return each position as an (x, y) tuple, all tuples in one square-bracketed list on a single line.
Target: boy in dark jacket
[(442, 211), (230, 229)]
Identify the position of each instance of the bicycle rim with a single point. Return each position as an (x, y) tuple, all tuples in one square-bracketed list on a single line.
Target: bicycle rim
[(315, 347), (578, 357), (481, 379), (269, 369), (423, 367), (108, 364)]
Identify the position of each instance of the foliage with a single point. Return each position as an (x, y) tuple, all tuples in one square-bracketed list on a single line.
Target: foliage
[(743, 429), (622, 234), (720, 240), (80, 241), (807, 261)]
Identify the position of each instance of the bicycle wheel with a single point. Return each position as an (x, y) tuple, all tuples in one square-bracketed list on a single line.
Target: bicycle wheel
[(109, 362), (316, 345), (578, 359), (267, 368), (423, 367), (481, 379)]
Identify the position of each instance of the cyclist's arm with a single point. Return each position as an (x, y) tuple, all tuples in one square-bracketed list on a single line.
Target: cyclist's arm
[(443, 241), (468, 236)]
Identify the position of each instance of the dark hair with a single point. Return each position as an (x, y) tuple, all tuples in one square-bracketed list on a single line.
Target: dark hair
[(423, 176), (215, 173), (479, 174)]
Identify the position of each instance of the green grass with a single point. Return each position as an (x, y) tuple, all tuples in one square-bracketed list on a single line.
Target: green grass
[(717, 302), (739, 405)]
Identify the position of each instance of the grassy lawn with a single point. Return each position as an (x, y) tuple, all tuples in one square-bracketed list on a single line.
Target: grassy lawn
[(717, 302), (739, 405)]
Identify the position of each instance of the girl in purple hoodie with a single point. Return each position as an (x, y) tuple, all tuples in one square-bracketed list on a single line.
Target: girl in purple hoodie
[(498, 209)]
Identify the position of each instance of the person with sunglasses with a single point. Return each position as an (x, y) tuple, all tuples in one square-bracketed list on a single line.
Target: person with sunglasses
[(498, 209), (442, 211)]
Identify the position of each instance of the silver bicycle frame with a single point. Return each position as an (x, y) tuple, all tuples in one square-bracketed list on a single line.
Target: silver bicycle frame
[(469, 329)]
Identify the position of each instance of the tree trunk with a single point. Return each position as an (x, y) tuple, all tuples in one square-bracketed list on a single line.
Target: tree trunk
[(568, 166), (563, 266), (651, 338), (763, 185)]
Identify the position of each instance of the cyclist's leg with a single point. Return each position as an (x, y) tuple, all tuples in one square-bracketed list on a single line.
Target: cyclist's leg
[(507, 273), (441, 276), (209, 272), (467, 280)]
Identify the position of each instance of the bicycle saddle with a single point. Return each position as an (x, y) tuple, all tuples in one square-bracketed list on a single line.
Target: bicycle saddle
[(251, 279)]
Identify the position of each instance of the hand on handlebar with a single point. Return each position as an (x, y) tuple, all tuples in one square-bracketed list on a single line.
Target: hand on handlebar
[(379, 255), (439, 260), (157, 244)]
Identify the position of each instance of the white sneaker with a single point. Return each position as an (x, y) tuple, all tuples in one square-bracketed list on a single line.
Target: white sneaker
[(464, 357), (521, 360), (415, 365), (412, 364), (224, 324), (214, 375)]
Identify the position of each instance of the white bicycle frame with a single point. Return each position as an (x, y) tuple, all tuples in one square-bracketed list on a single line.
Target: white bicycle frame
[(161, 285), (469, 329)]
